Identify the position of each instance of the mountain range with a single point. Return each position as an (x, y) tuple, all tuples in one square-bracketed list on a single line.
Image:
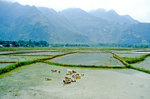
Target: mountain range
[(72, 25)]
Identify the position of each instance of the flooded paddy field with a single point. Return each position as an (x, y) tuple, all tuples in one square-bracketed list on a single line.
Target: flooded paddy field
[(20, 51), (144, 64), (37, 81), (130, 55), (30, 83), (104, 59), (18, 58), (28, 52)]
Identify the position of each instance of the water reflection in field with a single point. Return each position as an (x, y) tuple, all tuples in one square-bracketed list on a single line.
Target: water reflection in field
[(104, 59)]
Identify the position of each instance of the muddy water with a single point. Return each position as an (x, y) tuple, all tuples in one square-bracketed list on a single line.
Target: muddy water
[(30, 83), (105, 59)]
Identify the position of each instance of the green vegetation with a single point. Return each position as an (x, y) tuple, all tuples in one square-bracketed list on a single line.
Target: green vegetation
[(140, 69), (23, 48), (115, 45), (102, 45), (126, 61), (121, 60), (19, 64), (136, 59), (19, 58), (22, 43), (63, 49), (129, 65), (31, 43), (85, 66), (16, 65), (30, 83)]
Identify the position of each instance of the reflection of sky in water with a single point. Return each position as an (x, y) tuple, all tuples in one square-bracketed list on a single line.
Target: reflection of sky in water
[(105, 59)]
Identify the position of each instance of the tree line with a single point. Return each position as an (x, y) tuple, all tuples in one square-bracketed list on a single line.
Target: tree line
[(22, 43), (30, 43), (124, 45), (102, 45)]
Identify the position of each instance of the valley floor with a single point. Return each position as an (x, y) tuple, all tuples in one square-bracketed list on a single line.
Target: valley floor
[(29, 73)]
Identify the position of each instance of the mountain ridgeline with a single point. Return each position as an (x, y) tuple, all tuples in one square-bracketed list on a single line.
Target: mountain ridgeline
[(73, 25)]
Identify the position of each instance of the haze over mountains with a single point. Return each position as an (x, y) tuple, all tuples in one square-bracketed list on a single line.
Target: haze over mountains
[(73, 25)]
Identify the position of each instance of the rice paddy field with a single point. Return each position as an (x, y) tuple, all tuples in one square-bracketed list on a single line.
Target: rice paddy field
[(18, 58), (44, 53), (44, 79), (144, 64), (103, 59), (130, 55)]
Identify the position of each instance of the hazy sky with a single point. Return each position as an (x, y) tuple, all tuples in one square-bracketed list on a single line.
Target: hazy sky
[(138, 9)]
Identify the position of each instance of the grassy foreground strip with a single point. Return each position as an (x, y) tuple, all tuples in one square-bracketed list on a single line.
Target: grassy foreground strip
[(129, 65), (140, 69), (16, 65), (135, 60), (84, 66), (19, 64)]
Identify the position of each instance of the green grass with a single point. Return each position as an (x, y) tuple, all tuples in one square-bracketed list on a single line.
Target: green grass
[(84, 66), (140, 69), (125, 61), (121, 60), (19, 64), (130, 66), (16, 65), (64, 48), (136, 59), (22, 48)]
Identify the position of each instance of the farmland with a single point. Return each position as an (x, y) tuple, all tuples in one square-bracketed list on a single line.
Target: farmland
[(27, 73)]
